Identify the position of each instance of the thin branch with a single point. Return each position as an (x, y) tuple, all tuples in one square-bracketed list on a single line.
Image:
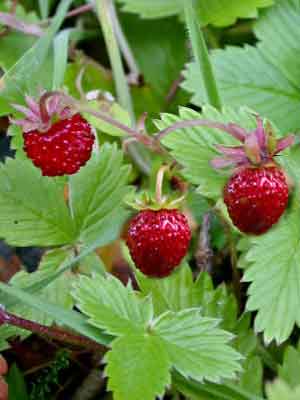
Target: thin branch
[(54, 333)]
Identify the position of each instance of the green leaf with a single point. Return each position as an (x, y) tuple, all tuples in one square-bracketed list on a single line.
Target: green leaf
[(194, 148), (281, 391), (214, 12), (32, 207), (97, 192), (174, 293), (111, 306), (252, 375), (58, 292), (155, 9), (217, 13), (289, 370), (138, 365), (197, 348), (16, 384), (25, 75), (274, 272), (266, 77), (71, 319)]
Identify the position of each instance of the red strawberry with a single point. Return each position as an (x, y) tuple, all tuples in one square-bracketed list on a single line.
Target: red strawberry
[(57, 139), (256, 198), (158, 241), (256, 195), (62, 149)]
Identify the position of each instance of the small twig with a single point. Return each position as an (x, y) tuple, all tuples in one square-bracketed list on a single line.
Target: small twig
[(73, 13), (204, 252), (54, 333)]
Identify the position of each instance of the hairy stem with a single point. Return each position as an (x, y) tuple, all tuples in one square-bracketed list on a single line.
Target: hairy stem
[(204, 252), (201, 54), (159, 183), (54, 333)]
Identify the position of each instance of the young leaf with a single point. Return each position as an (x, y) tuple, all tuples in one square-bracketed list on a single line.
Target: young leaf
[(111, 306), (252, 375), (138, 365), (32, 207), (198, 349), (155, 9), (281, 391), (194, 148), (97, 192), (257, 76)]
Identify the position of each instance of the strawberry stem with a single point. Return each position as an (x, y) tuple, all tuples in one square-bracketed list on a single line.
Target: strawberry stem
[(159, 184), (54, 333)]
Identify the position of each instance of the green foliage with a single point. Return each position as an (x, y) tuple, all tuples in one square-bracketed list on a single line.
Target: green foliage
[(32, 207), (184, 339), (139, 365), (16, 384), (57, 293), (194, 148), (280, 390), (289, 370), (266, 77), (26, 74), (96, 195), (111, 306), (214, 12)]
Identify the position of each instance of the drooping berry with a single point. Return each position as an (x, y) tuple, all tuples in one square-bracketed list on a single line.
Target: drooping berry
[(57, 138), (256, 194), (158, 240), (63, 149), (256, 198)]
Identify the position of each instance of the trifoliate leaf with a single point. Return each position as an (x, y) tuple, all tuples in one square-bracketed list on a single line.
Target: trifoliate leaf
[(279, 390), (138, 367), (194, 148), (212, 12), (57, 292), (32, 208), (196, 346), (266, 77), (111, 306), (289, 371), (96, 196)]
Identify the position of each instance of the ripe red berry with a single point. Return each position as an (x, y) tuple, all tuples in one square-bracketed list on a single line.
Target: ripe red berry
[(63, 149), (256, 198), (158, 240)]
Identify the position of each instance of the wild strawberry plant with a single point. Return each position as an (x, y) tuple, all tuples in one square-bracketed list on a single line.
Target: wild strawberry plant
[(166, 154)]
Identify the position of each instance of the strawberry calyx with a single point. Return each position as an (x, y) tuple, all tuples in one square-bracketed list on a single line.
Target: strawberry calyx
[(149, 201), (40, 115), (258, 147)]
